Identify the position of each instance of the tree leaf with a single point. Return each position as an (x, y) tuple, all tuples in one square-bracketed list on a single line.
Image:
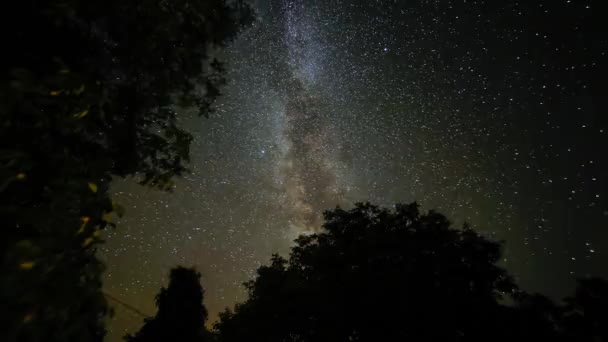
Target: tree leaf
[(81, 114), (27, 265), (93, 187)]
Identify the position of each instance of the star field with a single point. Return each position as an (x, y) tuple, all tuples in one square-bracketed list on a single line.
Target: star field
[(491, 112)]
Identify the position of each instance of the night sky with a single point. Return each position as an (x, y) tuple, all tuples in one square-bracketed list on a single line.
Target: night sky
[(492, 112)]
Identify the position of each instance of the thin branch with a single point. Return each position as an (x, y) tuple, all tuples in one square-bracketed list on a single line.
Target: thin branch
[(126, 305)]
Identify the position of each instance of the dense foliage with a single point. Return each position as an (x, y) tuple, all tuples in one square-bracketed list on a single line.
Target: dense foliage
[(181, 314), (375, 274), (88, 92)]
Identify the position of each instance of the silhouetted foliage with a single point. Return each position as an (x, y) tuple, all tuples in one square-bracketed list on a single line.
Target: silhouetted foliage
[(585, 316), (377, 275), (181, 314), (87, 93)]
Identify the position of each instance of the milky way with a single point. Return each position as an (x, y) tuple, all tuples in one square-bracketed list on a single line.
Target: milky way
[(307, 160), (486, 111)]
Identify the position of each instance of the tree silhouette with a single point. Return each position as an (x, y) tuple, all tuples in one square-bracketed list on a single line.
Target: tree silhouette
[(181, 314), (90, 90), (585, 315), (375, 274)]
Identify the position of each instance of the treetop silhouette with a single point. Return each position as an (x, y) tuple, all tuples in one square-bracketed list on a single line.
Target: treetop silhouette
[(181, 314), (376, 274)]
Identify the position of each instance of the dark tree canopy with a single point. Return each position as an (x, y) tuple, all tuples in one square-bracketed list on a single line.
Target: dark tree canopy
[(375, 274), (585, 317), (181, 314), (88, 92)]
